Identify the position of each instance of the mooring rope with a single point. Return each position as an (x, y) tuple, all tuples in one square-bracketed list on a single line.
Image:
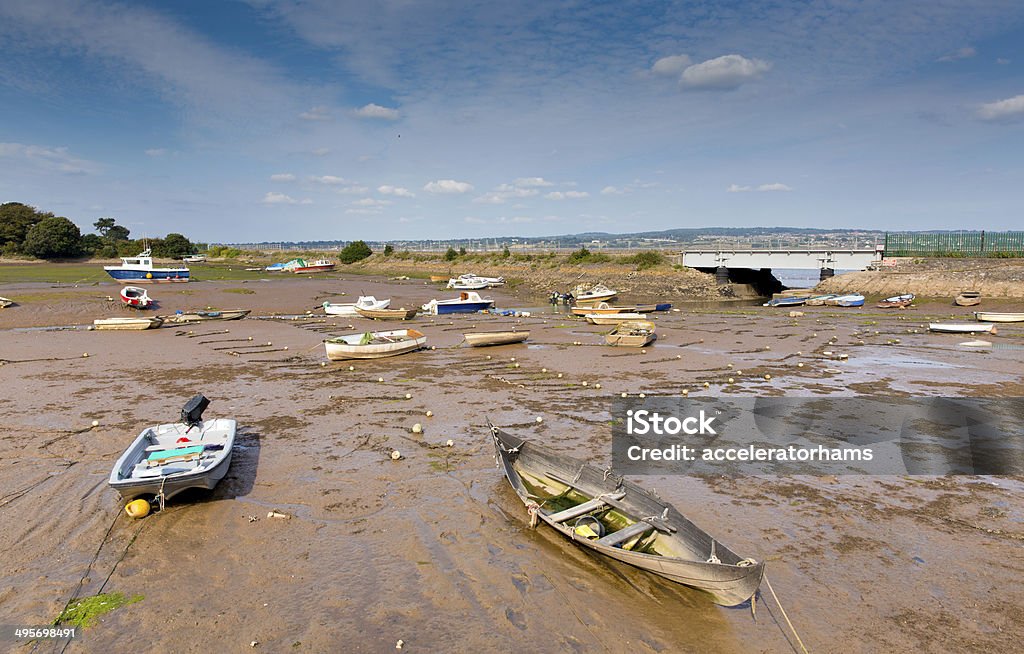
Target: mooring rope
[(783, 611)]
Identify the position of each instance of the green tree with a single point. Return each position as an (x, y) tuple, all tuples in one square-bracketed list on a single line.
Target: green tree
[(451, 255), (174, 246), (53, 238), (111, 231), (388, 250), (505, 254), (355, 251), (15, 221), (92, 244), (462, 252)]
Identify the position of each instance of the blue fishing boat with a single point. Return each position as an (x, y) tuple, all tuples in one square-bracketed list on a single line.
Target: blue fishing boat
[(846, 301), (140, 269), (467, 302)]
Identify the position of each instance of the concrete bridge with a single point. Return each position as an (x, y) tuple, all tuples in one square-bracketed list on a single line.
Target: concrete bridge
[(720, 261)]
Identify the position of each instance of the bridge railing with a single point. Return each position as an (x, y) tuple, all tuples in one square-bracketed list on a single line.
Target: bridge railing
[(954, 244)]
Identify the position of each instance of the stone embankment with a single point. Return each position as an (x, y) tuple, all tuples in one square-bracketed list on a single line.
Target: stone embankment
[(993, 278)]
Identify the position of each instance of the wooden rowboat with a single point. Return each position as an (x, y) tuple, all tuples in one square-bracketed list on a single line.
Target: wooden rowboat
[(995, 316), (439, 278), (479, 339), (374, 345), (962, 327), (387, 314), (134, 324), (602, 307), (611, 516), (634, 333), (4, 302), (897, 302)]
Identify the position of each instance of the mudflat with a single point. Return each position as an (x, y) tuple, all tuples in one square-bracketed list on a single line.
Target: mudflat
[(434, 548)]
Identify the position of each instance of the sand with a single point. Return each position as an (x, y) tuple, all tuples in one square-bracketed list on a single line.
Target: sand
[(435, 549)]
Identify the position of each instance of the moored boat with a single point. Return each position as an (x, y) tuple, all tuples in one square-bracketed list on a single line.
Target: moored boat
[(614, 517), (601, 307), (320, 265), (651, 308), (789, 301), (131, 324), (467, 284), (819, 300), (897, 301), (199, 315), (968, 298), (478, 339), (439, 278), (613, 318), (167, 459), (467, 302), (374, 345), (853, 300), (633, 333), (140, 269), (387, 314), (195, 258), (962, 327), (136, 297), (996, 316), (349, 309), (5, 302), (594, 294)]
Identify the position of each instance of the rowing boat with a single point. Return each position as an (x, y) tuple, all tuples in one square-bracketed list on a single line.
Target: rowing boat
[(650, 308), (613, 318), (897, 301), (602, 307), (136, 297), (612, 516), (962, 327), (968, 298), (5, 302), (387, 314), (633, 333), (995, 316), (854, 300), (202, 315), (349, 308), (479, 339), (128, 323), (374, 345)]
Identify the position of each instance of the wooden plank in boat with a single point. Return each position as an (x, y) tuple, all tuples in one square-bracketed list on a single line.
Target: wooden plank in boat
[(623, 535), (581, 509)]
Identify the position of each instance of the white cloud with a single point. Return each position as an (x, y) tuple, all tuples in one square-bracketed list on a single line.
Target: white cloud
[(723, 73), (1003, 61), (320, 152), (474, 220), (330, 180), (156, 152), (567, 195), (612, 190), (396, 191), (672, 65), (316, 113), (506, 192), (281, 198), (376, 111), (50, 159), (530, 182), (447, 186), (763, 188), (353, 189), (1006, 110), (956, 55), (371, 202), (282, 177)]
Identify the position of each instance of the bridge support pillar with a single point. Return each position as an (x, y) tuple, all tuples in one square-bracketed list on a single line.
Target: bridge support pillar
[(826, 273), (721, 275)]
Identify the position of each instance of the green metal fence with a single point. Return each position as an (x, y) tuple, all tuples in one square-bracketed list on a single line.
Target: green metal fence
[(954, 244)]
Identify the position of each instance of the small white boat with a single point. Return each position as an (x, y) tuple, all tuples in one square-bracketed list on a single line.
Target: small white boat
[(819, 300), (320, 265), (136, 297), (632, 334), (855, 300), (996, 316), (595, 294), (207, 314), (478, 339), (467, 302), (349, 309), (602, 307), (140, 269), (5, 302), (470, 284), (962, 327), (197, 258), (388, 314), (133, 324), (613, 318), (977, 343), (167, 459), (374, 345)]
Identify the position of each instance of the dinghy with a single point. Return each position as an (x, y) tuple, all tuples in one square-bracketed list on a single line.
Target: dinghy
[(787, 301), (650, 308), (467, 302), (613, 318), (968, 298), (167, 459), (136, 297), (595, 294), (633, 333), (995, 316), (855, 300), (349, 309), (611, 516), (601, 307), (374, 345), (200, 315), (479, 339), (5, 302), (387, 314), (133, 324), (897, 301), (819, 300), (962, 328)]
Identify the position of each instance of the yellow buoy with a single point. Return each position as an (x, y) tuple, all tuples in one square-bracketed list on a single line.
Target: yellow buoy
[(137, 509)]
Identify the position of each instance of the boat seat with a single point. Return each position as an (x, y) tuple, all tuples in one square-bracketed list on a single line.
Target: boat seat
[(581, 509), (624, 535), (657, 523), (175, 455)]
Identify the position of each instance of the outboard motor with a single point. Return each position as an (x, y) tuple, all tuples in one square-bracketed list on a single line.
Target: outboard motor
[(192, 413)]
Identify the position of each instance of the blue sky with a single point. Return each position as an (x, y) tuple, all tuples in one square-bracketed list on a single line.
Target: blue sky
[(322, 119)]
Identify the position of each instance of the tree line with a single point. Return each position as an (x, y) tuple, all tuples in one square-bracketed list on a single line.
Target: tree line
[(27, 231)]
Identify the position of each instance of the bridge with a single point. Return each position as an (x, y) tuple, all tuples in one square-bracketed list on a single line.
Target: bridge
[(827, 261)]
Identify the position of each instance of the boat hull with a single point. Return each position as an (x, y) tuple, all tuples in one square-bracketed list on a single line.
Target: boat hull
[(995, 316), (149, 276), (962, 328), (464, 307), (613, 318), (387, 314), (730, 581), (482, 339), (199, 316), (339, 349), (129, 324)]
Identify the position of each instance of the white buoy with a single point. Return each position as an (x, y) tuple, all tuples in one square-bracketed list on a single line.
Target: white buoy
[(585, 383), (95, 423), (488, 357), (686, 391), (642, 395), (250, 338), (408, 396), (543, 369), (380, 379), (417, 428), (450, 443), (624, 394), (323, 364), (729, 366), (731, 380), (515, 365), (395, 455), (799, 365), (768, 377), (351, 368), (85, 355), (598, 386), (539, 419), (559, 375), (429, 414)]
